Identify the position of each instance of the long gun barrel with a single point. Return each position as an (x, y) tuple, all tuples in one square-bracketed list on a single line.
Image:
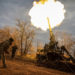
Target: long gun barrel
[(52, 37)]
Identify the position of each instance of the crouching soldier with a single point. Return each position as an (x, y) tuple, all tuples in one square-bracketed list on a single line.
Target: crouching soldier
[(14, 48), (4, 49)]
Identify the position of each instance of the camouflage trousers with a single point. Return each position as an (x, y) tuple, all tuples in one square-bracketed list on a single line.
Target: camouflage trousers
[(2, 56)]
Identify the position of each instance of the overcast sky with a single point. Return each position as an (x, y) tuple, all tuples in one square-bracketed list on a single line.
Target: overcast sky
[(12, 9)]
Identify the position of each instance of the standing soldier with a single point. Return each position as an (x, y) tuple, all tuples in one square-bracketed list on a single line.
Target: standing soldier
[(14, 48)]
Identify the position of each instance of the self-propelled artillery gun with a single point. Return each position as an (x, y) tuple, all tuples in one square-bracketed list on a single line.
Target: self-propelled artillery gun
[(52, 52)]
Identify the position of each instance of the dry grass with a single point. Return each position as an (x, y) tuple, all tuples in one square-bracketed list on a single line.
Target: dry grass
[(17, 67)]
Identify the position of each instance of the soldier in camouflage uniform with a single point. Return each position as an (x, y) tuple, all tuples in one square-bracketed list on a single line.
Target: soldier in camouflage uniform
[(14, 48), (4, 49)]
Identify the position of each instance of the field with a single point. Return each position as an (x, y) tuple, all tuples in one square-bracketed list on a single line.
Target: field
[(18, 67)]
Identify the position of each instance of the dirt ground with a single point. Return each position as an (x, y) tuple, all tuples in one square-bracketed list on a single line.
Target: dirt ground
[(26, 68)]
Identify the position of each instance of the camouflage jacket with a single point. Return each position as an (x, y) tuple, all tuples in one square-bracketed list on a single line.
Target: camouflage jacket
[(4, 46)]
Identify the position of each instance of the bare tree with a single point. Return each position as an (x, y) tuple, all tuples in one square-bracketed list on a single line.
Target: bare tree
[(21, 28), (4, 34), (26, 35), (29, 36)]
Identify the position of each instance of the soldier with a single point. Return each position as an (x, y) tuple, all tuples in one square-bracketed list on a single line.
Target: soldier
[(4, 49), (14, 48)]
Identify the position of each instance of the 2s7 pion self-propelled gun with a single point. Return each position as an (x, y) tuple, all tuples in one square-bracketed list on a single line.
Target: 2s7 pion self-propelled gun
[(51, 52)]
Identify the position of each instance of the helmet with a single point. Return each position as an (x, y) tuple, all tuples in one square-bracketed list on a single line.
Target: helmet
[(11, 39)]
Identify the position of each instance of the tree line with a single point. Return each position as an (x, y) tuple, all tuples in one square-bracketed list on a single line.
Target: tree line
[(23, 35)]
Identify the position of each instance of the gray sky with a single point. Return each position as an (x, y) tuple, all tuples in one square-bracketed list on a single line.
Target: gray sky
[(12, 9)]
